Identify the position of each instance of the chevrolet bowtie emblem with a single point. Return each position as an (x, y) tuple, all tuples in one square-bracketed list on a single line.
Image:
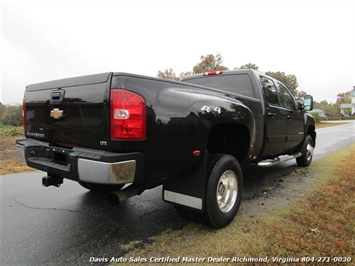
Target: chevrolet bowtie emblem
[(56, 113)]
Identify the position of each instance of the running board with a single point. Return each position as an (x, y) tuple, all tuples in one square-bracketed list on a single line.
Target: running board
[(278, 160)]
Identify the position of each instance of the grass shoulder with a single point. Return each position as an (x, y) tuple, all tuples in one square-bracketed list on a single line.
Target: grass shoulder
[(9, 157), (329, 124)]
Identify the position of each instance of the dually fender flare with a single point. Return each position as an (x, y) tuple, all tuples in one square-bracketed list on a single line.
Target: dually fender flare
[(227, 112)]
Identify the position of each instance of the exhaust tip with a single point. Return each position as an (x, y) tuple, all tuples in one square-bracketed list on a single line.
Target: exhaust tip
[(118, 197), (112, 199)]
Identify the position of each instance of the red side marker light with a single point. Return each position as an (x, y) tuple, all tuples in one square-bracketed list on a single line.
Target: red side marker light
[(196, 153)]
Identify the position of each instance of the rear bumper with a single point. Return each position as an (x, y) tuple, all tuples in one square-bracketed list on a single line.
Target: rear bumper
[(82, 164)]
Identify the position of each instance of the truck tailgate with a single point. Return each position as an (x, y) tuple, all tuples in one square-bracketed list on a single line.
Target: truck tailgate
[(70, 112)]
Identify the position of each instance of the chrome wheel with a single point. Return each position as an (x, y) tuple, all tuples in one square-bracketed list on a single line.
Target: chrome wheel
[(227, 191), (309, 152), (223, 191)]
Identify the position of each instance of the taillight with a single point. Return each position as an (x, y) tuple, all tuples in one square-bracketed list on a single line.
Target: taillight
[(128, 115), (211, 73), (24, 122)]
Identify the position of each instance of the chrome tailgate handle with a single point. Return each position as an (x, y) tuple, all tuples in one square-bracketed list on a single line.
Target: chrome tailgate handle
[(57, 96)]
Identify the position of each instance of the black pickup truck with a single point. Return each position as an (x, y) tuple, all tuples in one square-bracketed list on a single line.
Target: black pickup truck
[(120, 134)]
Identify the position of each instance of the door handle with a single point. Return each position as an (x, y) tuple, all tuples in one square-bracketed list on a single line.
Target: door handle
[(289, 117), (270, 114)]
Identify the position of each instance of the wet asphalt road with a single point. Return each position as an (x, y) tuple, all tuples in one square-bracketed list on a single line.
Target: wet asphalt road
[(68, 225)]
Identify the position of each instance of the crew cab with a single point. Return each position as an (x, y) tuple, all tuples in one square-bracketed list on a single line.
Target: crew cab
[(121, 134)]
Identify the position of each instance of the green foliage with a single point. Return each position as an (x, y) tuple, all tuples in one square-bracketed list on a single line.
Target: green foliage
[(209, 63), (316, 117), (11, 131), (11, 115), (332, 110), (250, 66), (2, 109)]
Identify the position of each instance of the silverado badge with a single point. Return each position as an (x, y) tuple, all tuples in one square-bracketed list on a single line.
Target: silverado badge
[(56, 113)]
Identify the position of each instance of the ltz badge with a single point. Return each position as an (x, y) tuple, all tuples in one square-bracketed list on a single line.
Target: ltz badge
[(56, 113)]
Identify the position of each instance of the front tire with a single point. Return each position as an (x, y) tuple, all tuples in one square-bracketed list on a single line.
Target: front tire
[(307, 152), (224, 191)]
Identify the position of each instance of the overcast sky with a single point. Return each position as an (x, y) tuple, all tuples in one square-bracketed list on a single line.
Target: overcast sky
[(46, 40)]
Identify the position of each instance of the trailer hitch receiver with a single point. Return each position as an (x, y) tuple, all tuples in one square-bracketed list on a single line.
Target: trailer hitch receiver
[(52, 180)]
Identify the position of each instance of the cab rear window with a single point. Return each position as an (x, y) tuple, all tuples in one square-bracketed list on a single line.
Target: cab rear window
[(238, 83)]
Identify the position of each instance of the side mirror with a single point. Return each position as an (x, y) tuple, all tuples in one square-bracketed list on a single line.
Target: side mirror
[(308, 103)]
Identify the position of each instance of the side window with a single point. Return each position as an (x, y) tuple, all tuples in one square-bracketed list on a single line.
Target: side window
[(286, 97), (270, 91)]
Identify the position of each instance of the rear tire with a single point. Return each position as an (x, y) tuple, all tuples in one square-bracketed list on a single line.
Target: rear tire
[(100, 188), (307, 152), (224, 190)]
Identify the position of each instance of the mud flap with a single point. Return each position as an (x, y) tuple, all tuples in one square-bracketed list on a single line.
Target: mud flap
[(188, 188)]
